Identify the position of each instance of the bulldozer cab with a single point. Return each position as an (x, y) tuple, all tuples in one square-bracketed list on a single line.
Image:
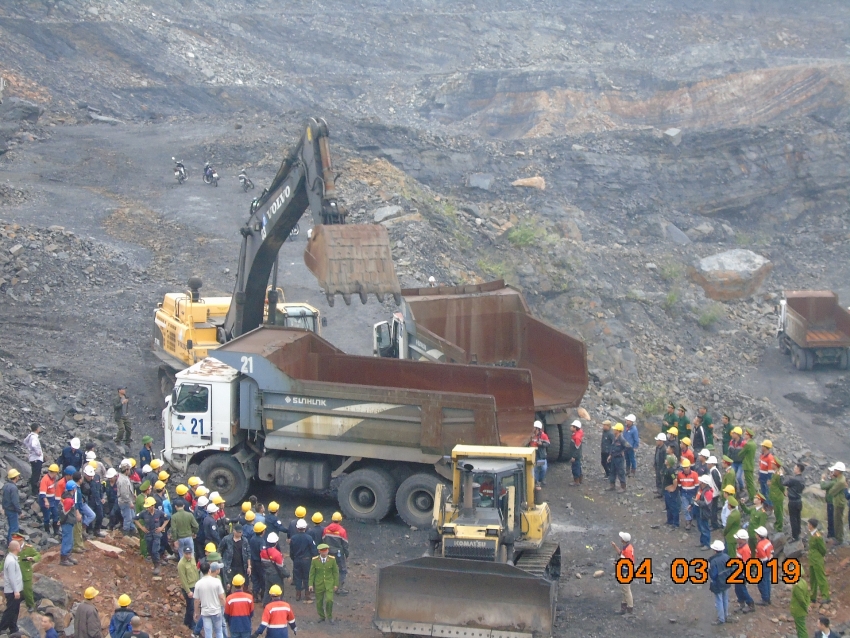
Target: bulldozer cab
[(489, 481)]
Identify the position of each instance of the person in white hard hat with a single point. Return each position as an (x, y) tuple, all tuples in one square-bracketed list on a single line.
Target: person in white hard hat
[(540, 440), (659, 463), (764, 552), (626, 552), (701, 506), (834, 486), (575, 451), (432, 282), (632, 437), (700, 466), (718, 574), (743, 552), (716, 485)]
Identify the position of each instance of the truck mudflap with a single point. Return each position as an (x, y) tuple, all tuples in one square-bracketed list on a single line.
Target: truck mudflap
[(352, 259), (454, 597)]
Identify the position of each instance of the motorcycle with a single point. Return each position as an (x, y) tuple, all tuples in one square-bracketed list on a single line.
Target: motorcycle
[(180, 172), (245, 182), (295, 230), (210, 175)]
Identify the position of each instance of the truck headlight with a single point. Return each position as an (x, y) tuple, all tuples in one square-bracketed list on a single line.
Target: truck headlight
[(492, 531)]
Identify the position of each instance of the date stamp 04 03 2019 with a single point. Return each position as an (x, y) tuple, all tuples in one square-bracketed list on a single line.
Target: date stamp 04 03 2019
[(695, 571)]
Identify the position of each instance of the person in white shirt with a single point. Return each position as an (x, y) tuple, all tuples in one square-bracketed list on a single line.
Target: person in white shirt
[(36, 456), (13, 585), (210, 600)]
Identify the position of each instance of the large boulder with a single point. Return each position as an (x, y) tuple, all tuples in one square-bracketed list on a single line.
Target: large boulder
[(18, 110), (46, 587), (734, 274)]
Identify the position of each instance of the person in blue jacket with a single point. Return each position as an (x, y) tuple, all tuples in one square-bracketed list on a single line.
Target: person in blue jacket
[(633, 439)]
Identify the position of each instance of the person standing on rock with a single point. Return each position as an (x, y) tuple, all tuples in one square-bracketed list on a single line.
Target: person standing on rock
[(673, 446), (28, 557), (687, 480), (718, 574), (716, 486), (835, 501), (119, 624), (121, 414), (776, 494), (672, 497), (151, 523), (748, 463), (794, 485), (617, 458), (817, 557), (726, 424), (743, 553), (70, 516), (729, 474), (659, 462), (35, 455), (13, 586), (707, 424), (733, 524), (87, 618), (632, 437), (799, 607), (71, 455), (47, 499), (626, 551), (11, 502), (767, 468), (607, 437), (700, 465), (683, 423), (764, 552), (698, 435)]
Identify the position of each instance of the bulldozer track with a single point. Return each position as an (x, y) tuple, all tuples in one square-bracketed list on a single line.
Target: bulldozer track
[(544, 562)]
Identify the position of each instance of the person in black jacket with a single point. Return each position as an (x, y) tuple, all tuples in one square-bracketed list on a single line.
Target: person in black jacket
[(607, 437), (235, 555), (302, 549), (716, 486), (718, 573), (71, 455), (659, 462), (795, 486), (92, 490)]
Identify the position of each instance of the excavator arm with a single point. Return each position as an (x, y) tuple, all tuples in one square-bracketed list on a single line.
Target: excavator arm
[(345, 258)]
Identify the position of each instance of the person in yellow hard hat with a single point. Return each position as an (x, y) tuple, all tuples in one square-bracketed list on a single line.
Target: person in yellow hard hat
[(736, 445), (87, 618), (300, 514), (246, 506), (767, 467), (11, 502), (239, 609), (152, 522), (256, 543), (336, 537), (273, 523), (673, 446), (120, 625), (317, 531), (194, 482), (617, 458), (48, 499), (155, 464)]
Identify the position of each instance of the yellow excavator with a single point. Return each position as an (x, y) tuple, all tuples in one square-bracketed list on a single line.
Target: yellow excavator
[(346, 259), (491, 569)]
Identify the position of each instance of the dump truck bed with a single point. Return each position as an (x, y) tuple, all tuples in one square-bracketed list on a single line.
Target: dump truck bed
[(815, 319), (491, 324), (315, 394)]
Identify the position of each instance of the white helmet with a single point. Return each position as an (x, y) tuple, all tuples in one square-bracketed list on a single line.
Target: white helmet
[(704, 479), (147, 469), (111, 473), (75, 443), (301, 524), (203, 501), (839, 466), (212, 508), (704, 453), (538, 425), (90, 455), (626, 536), (761, 531), (272, 538), (711, 460), (742, 535), (661, 436), (718, 545), (213, 495), (88, 470), (576, 424), (631, 418)]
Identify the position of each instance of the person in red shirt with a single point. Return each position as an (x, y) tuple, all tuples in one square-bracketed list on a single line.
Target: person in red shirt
[(686, 451), (764, 552), (743, 552), (540, 440), (626, 551), (277, 615), (274, 571), (767, 467), (687, 480), (576, 438)]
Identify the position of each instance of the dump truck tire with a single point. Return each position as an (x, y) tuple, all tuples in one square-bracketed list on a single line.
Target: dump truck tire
[(556, 442), (415, 500), (222, 473), (366, 494)]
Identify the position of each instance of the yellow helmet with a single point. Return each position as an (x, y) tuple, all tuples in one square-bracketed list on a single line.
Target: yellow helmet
[(274, 507), (124, 600), (201, 491), (132, 462), (194, 481), (337, 517), (163, 476), (686, 440), (92, 464), (618, 427), (238, 580), (673, 431), (209, 547), (300, 511), (250, 516), (767, 443), (246, 506), (729, 489), (737, 430), (218, 500), (317, 518), (53, 468), (90, 593), (156, 464), (159, 485), (13, 473), (685, 463), (259, 528), (149, 502), (182, 490), (275, 590)]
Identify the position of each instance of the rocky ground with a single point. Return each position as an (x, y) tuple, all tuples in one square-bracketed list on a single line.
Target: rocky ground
[(434, 112)]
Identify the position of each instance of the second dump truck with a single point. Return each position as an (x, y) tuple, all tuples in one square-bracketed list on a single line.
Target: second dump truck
[(814, 328), (284, 406)]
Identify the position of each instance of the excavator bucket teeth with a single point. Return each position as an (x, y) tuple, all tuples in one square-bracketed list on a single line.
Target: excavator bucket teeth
[(352, 259), (440, 596)]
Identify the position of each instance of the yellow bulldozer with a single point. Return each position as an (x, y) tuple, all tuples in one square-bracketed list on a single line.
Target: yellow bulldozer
[(491, 569)]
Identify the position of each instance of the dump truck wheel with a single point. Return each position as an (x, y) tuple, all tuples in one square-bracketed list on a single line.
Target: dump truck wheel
[(222, 473), (783, 345), (366, 494), (415, 500), (810, 359), (556, 444)]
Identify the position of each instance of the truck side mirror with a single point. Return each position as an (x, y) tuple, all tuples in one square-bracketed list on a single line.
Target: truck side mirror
[(174, 397), (189, 345)]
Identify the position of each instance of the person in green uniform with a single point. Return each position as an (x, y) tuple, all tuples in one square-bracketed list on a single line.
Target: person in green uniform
[(758, 518), (776, 492), (733, 524), (748, 463), (144, 491), (817, 571), (26, 559), (324, 581), (670, 419), (683, 423), (727, 432), (800, 606), (708, 424), (728, 473), (835, 501)]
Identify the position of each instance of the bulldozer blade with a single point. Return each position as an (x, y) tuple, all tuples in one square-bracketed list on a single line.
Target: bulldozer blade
[(352, 259), (440, 596)]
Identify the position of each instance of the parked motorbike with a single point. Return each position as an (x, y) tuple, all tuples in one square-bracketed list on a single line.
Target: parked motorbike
[(245, 182), (210, 175), (295, 230), (180, 172)]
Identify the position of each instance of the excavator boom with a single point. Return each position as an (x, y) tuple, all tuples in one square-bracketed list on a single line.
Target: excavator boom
[(346, 259)]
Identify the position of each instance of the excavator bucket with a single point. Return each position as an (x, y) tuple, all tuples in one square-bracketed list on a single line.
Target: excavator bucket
[(352, 259), (454, 597)]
